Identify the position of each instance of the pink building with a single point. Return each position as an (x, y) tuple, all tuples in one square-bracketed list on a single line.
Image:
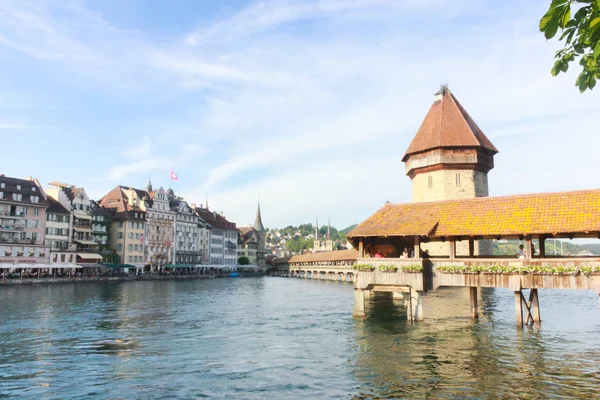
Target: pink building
[(23, 207)]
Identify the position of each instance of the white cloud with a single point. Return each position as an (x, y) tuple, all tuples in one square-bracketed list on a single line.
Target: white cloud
[(309, 104)]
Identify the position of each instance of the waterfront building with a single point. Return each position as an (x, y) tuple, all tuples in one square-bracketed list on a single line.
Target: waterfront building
[(76, 200), (449, 157), (127, 231), (23, 205), (101, 220), (248, 245), (58, 233), (252, 241), (161, 228), (186, 233), (204, 236), (224, 238)]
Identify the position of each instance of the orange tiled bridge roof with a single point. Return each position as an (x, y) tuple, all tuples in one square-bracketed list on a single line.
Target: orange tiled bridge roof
[(327, 256), (532, 214)]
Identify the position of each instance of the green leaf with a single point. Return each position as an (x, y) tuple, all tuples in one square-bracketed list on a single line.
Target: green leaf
[(594, 22), (566, 16), (551, 29), (581, 13), (597, 50), (556, 68), (547, 19), (591, 82), (566, 32)]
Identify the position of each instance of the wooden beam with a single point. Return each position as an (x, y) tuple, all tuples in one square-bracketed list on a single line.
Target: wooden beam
[(528, 248), (417, 249), (471, 247), (542, 240), (473, 301), (519, 309), (452, 244), (361, 249), (534, 302)]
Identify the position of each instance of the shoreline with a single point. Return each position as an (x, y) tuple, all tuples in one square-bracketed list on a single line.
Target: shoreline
[(53, 281)]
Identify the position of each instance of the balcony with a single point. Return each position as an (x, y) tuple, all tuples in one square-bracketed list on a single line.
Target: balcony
[(18, 241), (12, 227), (11, 214)]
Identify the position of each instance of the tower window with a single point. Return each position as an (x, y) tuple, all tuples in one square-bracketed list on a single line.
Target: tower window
[(458, 180), (430, 181)]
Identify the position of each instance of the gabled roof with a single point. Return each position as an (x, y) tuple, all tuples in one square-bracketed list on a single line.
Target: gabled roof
[(447, 124), (27, 189), (338, 255), (54, 207), (565, 213), (117, 201)]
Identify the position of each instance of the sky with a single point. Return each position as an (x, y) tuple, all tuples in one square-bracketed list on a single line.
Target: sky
[(308, 106)]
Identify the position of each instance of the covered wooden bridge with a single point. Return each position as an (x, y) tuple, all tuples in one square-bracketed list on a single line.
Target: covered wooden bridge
[(331, 265), (448, 244)]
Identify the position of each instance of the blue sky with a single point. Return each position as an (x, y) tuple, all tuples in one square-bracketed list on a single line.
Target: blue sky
[(308, 105)]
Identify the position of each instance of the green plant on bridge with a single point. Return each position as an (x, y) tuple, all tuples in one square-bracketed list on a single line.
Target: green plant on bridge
[(387, 268), (412, 268), (517, 269), (363, 267)]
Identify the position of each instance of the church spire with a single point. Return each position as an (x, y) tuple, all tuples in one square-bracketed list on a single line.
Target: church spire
[(258, 225), (317, 230), (149, 187), (328, 229)]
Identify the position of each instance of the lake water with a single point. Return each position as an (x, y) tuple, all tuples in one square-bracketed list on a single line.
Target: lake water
[(279, 338)]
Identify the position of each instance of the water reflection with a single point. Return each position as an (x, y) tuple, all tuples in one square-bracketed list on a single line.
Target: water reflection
[(277, 338), (450, 356)]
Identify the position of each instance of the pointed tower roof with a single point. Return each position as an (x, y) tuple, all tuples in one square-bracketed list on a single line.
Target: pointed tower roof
[(447, 124), (317, 230), (258, 225), (328, 229)]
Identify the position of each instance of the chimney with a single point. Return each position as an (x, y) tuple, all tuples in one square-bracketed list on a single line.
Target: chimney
[(193, 205)]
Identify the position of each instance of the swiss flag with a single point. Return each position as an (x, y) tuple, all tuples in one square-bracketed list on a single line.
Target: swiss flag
[(174, 176)]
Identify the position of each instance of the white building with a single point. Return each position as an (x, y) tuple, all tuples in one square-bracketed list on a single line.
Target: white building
[(161, 228), (223, 238), (186, 234)]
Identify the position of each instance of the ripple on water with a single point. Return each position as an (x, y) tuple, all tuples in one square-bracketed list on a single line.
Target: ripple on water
[(285, 338)]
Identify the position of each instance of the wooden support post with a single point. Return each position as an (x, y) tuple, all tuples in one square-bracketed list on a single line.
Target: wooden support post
[(417, 250), (528, 248), (416, 306), (361, 249), (519, 308), (359, 304), (452, 243), (542, 240), (473, 301), (534, 305), (471, 247)]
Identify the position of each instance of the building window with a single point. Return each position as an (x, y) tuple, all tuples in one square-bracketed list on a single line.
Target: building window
[(430, 181), (120, 224), (18, 187), (2, 185), (119, 247), (33, 189), (458, 180), (36, 211)]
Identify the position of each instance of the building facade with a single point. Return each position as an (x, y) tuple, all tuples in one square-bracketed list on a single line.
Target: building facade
[(127, 231), (76, 200), (58, 233), (322, 245), (161, 228), (23, 205), (224, 237), (186, 234), (248, 246)]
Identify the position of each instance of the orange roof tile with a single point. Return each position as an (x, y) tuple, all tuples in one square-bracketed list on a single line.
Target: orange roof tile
[(447, 124), (532, 214), (338, 255)]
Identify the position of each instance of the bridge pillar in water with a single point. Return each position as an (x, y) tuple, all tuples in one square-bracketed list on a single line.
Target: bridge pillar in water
[(415, 309), (531, 308), (473, 301), (359, 304)]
